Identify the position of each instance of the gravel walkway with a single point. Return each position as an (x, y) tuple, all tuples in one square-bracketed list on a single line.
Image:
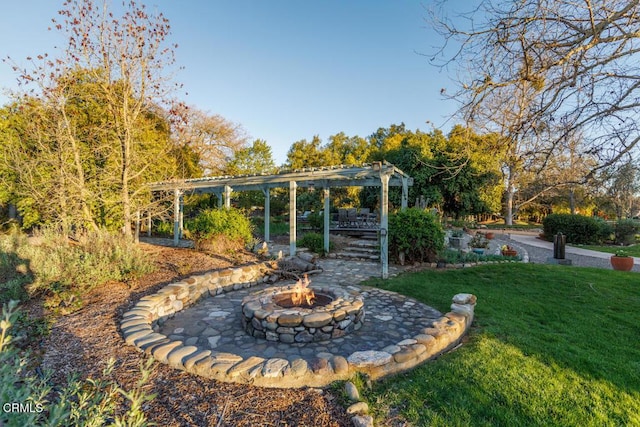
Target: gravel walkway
[(540, 251)]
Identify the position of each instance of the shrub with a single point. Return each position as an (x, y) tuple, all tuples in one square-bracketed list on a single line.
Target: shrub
[(626, 230), (316, 222), (452, 256), (164, 228), (314, 242), (578, 228), (417, 233), (88, 402), (229, 222), (63, 266)]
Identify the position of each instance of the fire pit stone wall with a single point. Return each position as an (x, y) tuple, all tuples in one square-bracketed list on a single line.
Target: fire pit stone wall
[(263, 318), (139, 328)]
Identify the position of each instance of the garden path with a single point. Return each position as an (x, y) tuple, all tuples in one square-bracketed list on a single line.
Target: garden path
[(539, 250)]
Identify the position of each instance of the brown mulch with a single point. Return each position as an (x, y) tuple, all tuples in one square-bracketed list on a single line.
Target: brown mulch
[(83, 341)]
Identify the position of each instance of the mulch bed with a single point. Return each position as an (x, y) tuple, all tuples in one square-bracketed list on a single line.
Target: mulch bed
[(83, 341)]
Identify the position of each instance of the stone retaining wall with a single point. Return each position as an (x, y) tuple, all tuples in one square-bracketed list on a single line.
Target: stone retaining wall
[(140, 324)]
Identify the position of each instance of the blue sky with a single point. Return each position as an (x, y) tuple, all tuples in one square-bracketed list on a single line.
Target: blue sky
[(284, 70)]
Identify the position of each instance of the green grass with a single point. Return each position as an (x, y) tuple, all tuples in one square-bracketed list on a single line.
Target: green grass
[(550, 346), (632, 250)]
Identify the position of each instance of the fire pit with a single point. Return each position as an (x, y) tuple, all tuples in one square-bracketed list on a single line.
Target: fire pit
[(301, 313)]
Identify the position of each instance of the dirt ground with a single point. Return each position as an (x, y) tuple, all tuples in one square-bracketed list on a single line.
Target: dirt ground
[(82, 343)]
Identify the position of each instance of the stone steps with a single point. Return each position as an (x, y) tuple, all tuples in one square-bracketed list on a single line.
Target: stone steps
[(361, 249), (357, 255)]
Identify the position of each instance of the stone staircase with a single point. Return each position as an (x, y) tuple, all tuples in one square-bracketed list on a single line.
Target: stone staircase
[(366, 249)]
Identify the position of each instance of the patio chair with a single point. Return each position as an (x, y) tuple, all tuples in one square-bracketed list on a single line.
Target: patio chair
[(363, 218), (352, 217), (342, 218)]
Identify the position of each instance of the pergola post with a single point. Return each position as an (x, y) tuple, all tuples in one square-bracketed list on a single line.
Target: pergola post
[(176, 217), (219, 197), (405, 193), (149, 224), (267, 212), (292, 217), (384, 224), (326, 217), (181, 215), (227, 197)]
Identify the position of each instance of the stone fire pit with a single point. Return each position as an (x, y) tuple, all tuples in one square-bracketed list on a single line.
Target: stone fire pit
[(270, 314)]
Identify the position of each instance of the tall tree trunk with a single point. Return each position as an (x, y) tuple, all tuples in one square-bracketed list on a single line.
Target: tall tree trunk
[(80, 182), (126, 200), (572, 201), (508, 215)]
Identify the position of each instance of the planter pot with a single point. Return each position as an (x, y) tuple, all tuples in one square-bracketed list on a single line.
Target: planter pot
[(622, 263), (489, 235), (509, 253), (455, 242), (479, 251)]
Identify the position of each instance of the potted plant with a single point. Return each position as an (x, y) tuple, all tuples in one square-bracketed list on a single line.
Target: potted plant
[(478, 243), (621, 261), (507, 250)]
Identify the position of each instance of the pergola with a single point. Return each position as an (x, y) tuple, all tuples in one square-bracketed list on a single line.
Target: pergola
[(377, 174)]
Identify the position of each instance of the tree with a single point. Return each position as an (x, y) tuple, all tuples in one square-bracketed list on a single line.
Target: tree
[(213, 138), (536, 71), (623, 186), (307, 154), (126, 60), (254, 159), (345, 150)]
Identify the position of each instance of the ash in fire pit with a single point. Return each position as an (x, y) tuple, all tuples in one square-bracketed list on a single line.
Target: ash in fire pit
[(300, 313)]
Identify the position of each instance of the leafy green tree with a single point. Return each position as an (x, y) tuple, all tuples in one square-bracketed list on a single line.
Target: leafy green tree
[(97, 127), (255, 159), (346, 150), (307, 154)]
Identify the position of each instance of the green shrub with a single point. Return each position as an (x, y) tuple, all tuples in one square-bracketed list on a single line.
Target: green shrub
[(63, 266), (230, 223), (579, 229), (164, 228), (626, 230), (88, 402), (417, 233), (314, 242), (316, 222), (452, 256)]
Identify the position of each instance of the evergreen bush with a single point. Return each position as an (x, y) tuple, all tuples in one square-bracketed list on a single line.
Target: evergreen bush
[(417, 233), (579, 229), (626, 230), (231, 223)]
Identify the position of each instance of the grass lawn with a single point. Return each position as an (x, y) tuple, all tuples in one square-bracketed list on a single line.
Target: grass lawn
[(632, 250), (550, 346)]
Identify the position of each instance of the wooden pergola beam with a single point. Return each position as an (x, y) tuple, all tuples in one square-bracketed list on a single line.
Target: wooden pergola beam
[(382, 175)]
